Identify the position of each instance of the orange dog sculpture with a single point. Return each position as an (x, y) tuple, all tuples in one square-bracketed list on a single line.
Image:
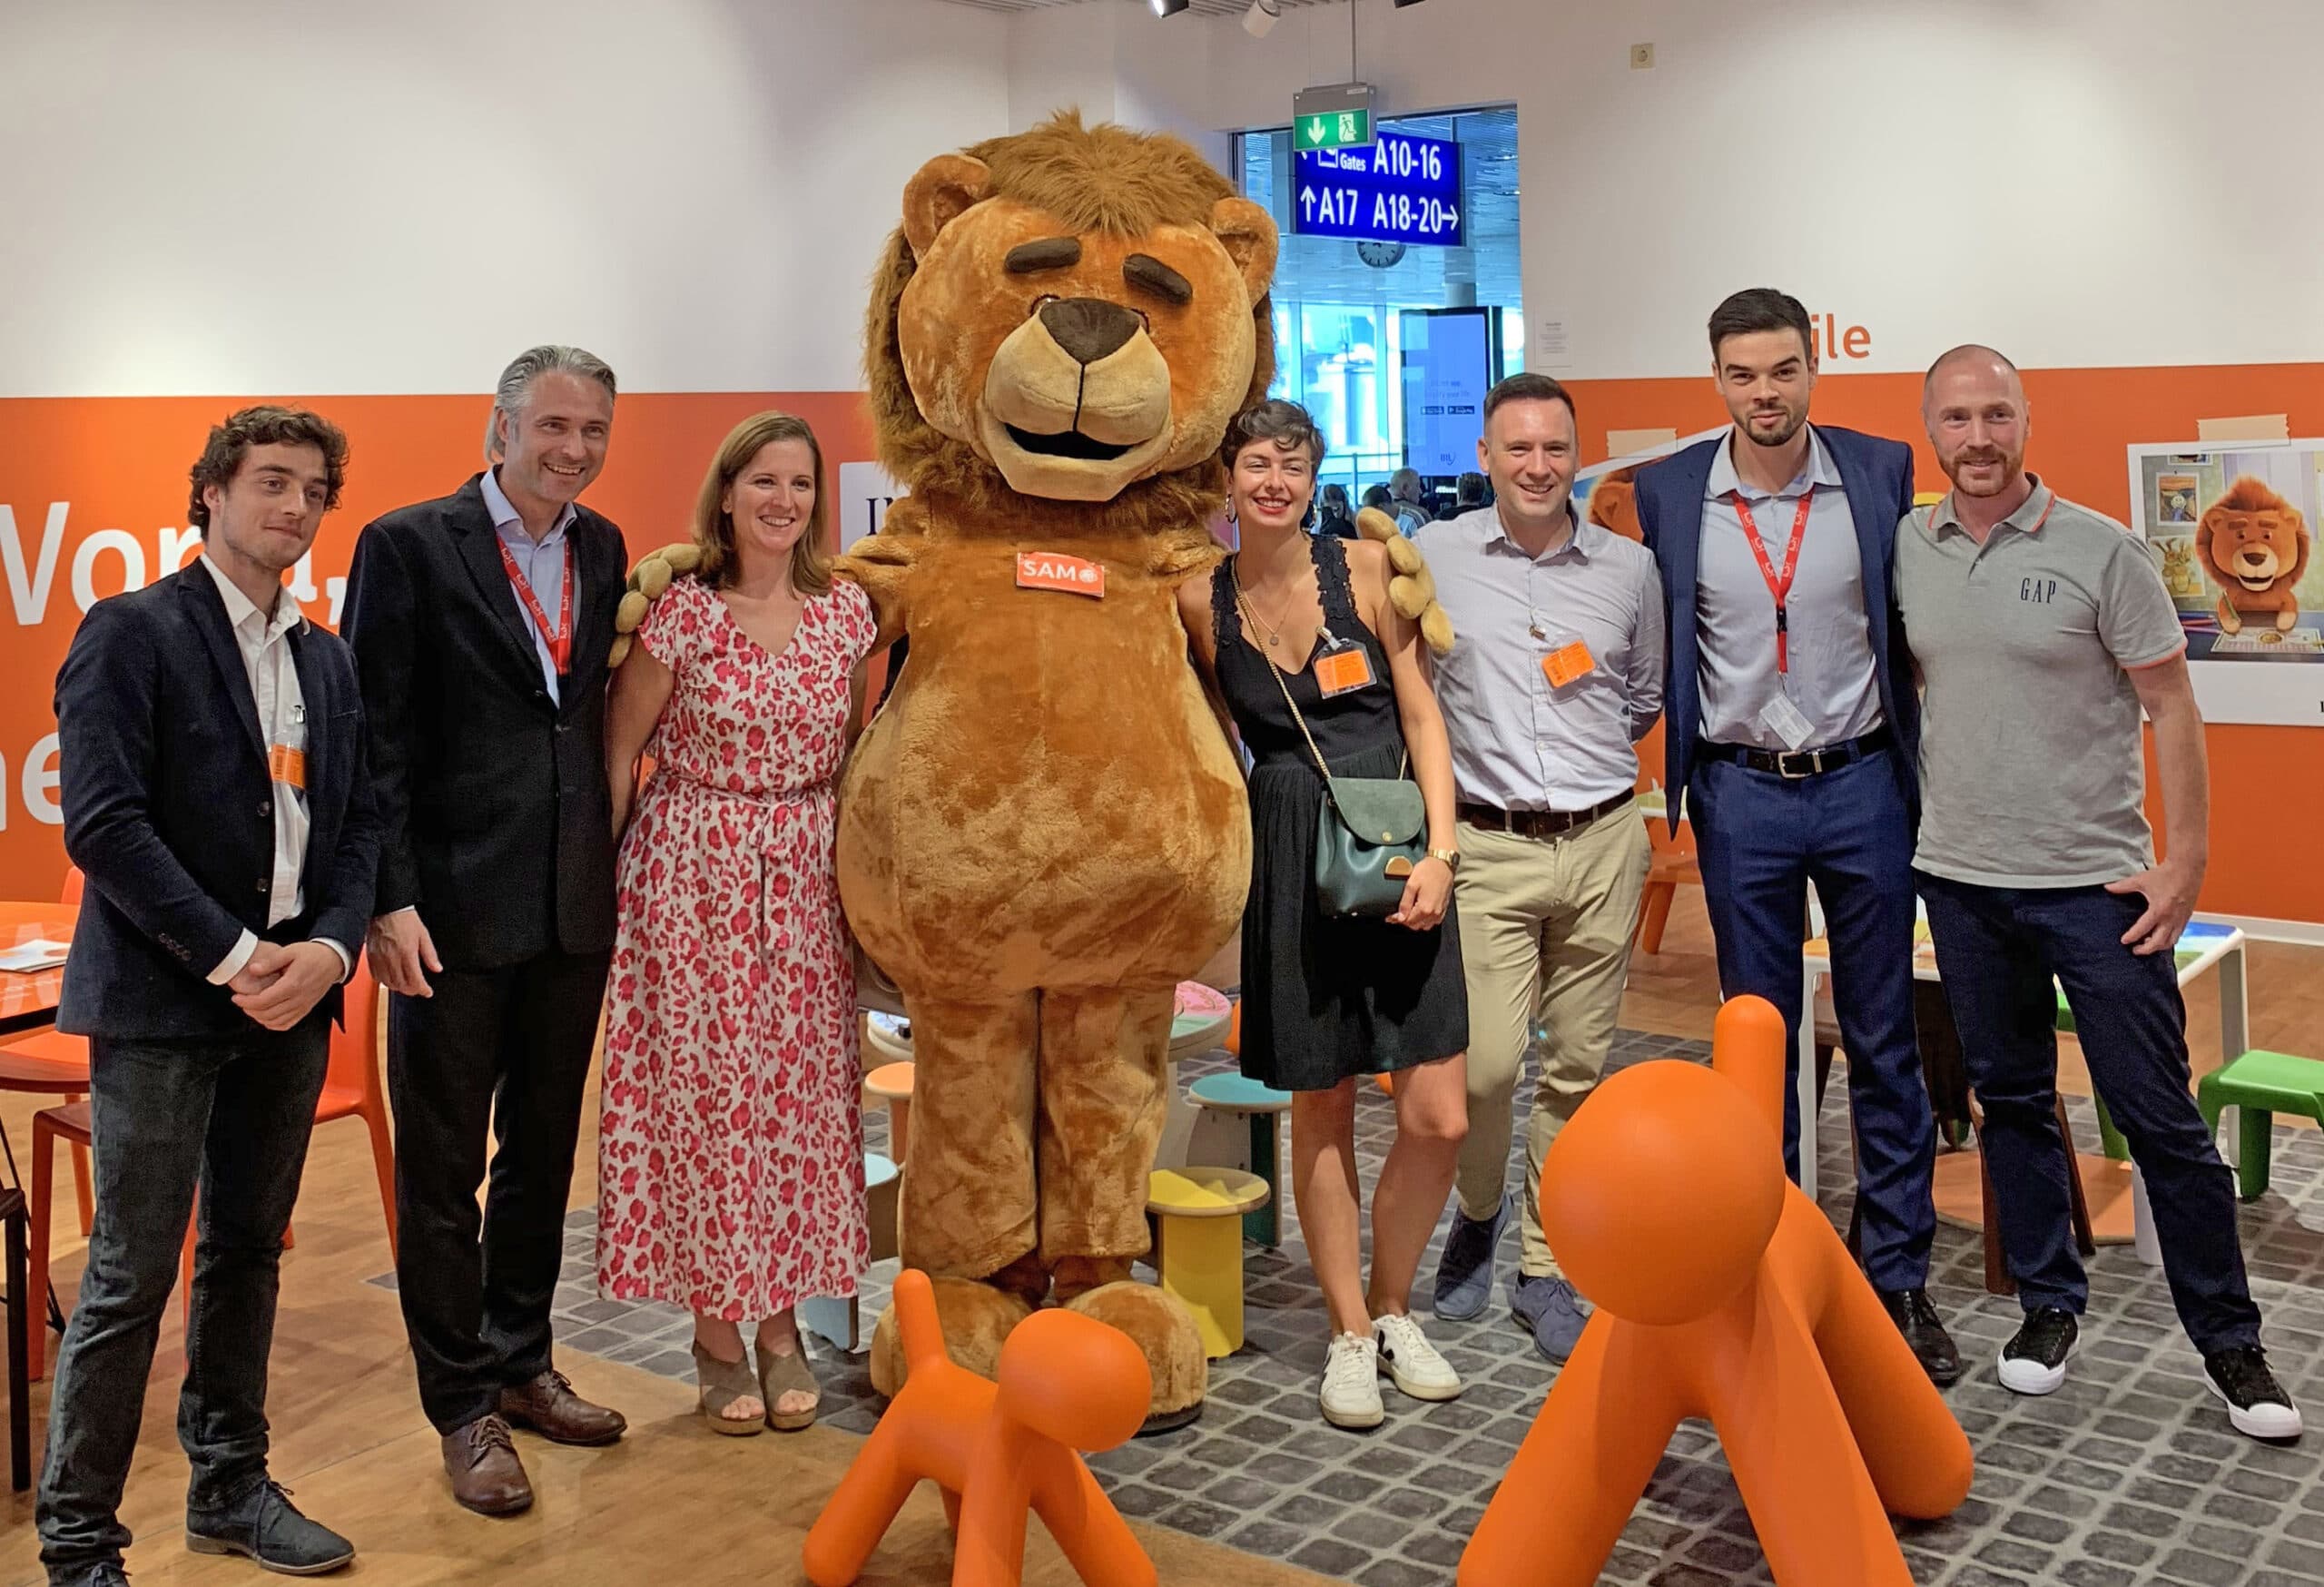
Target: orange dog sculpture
[(1722, 1292), (1068, 1383)]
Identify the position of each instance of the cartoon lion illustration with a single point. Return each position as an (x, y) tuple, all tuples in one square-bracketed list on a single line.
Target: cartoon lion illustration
[(2254, 544)]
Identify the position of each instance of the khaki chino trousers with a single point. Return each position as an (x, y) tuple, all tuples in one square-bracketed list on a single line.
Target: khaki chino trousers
[(1546, 925)]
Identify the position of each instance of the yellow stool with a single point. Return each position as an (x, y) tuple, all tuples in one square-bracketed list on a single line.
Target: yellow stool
[(1198, 1251), (891, 1083)]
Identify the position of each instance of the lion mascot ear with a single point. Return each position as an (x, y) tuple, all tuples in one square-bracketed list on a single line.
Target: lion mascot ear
[(1248, 234), (1412, 588), (939, 193)]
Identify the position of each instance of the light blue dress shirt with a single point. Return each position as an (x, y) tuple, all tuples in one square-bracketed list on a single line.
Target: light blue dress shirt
[(1832, 679), (542, 564)]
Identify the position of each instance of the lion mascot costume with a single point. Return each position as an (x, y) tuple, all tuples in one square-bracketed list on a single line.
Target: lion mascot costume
[(2254, 545), (1044, 832)]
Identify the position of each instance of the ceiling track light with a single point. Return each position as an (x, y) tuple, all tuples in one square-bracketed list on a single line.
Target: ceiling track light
[(1169, 7), (1260, 19), (1402, 3)]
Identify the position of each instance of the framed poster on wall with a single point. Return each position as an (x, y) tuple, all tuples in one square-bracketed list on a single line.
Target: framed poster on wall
[(2232, 526)]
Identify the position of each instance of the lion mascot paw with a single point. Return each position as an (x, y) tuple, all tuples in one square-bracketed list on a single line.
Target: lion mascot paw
[(1412, 588), (647, 580)]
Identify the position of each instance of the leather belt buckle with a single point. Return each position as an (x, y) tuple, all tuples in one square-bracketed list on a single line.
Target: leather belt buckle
[(1796, 765)]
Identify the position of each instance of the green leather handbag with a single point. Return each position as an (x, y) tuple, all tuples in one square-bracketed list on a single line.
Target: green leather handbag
[(1369, 832)]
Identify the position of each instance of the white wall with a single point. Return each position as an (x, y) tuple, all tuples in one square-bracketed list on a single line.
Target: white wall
[(2073, 179), (390, 196)]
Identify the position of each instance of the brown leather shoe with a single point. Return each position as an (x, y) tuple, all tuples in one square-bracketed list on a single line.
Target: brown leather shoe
[(486, 1477), (549, 1406)]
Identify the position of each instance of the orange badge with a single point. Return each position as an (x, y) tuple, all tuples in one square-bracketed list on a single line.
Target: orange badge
[(1567, 663), (287, 766), (1050, 570), (1338, 671)]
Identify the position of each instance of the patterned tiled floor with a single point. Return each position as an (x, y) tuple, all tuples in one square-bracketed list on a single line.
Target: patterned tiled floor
[(2128, 1474)]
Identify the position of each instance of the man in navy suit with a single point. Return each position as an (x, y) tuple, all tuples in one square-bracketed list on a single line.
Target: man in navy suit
[(1791, 725), (216, 796)]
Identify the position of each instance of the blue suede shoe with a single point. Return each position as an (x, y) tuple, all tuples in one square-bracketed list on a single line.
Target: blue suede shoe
[(1464, 1272), (1555, 1314), (265, 1526)]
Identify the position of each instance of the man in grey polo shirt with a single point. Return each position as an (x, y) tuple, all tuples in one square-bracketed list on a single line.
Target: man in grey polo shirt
[(2039, 630), (1556, 673)]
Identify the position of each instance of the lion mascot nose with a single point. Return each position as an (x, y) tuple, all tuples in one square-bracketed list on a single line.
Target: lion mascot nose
[(1088, 329)]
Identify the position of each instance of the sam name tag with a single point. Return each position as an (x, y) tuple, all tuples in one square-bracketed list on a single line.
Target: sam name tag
[(1070, 575), (1567, 663), (286, 765), (1339, 670)]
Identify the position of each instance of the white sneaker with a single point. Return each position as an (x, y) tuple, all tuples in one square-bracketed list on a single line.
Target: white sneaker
[(1351, 1396), (1412, 1363)]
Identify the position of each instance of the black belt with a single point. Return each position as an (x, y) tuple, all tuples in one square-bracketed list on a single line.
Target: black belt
[(1538, 824), (1799, 762)]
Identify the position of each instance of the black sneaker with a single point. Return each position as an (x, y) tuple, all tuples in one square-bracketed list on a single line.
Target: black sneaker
[(1923, 1330), (265, 1526), (2035, 1361), (2256, 1402)]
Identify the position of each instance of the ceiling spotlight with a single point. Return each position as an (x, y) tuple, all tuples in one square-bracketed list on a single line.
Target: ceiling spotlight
[(1169, 7), (1260, 19), (1402, 3)]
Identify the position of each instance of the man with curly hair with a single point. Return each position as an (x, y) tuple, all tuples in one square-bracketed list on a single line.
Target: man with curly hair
[(215, 795)]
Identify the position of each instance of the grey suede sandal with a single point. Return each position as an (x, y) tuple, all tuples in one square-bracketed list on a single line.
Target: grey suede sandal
[(723, 1383), (780, 1374)]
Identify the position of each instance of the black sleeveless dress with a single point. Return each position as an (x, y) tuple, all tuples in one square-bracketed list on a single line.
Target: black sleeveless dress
[(1324, 998)]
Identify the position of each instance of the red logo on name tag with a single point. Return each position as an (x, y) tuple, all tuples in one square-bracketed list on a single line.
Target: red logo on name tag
[(1050, 571)]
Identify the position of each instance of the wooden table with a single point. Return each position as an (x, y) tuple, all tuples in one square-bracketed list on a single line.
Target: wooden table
[(28, 999)]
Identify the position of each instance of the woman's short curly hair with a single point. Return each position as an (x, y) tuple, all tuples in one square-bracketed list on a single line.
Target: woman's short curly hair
[(265, 424), (1284, 424)]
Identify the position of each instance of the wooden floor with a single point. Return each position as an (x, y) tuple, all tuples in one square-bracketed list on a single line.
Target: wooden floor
[(672, 1502)]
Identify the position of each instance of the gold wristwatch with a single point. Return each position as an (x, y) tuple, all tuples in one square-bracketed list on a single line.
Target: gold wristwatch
[(1450, 857)]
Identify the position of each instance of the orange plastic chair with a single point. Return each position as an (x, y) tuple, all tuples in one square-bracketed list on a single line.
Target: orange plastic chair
[(1723, 1293), (54, 1064), (1068, 1383)]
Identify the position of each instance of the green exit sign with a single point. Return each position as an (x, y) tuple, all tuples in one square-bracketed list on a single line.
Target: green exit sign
[(1337, 117), (1346, 129)]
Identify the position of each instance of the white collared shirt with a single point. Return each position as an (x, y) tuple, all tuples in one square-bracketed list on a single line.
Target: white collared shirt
[(263, 638), (541, 561)]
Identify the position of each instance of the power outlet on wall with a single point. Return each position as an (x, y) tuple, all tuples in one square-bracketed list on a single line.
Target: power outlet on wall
[(1641, 57)]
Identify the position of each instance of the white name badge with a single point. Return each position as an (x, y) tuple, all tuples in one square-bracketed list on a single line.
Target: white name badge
[(1784, 720)]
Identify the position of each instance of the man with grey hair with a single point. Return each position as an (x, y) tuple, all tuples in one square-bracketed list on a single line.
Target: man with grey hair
[(482, 623), (1405, 503), (2040, 632)]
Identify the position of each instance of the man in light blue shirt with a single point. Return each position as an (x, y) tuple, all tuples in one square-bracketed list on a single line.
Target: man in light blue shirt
[(1556, 675), (541, 562)]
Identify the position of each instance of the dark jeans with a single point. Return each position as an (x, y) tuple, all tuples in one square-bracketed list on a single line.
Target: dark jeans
[(1760, 839), (237, 1111), (1998, 949), (504, 1051)]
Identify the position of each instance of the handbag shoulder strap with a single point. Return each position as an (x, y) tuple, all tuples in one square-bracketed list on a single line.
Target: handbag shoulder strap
[(1297, 716)]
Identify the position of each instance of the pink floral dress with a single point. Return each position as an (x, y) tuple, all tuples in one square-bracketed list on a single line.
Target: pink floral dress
[(730, 1167)]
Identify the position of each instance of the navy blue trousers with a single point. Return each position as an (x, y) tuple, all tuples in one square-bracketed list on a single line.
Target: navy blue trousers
[(1760, 839), (1998, 949)]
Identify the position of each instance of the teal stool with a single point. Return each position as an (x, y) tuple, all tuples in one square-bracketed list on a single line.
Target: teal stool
[(2110, 1139), (842, 1321), (2259, 1086), (1233, 1093)]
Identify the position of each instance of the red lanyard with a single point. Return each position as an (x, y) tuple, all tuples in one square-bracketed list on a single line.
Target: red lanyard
[(560, 638), (1778, 586)]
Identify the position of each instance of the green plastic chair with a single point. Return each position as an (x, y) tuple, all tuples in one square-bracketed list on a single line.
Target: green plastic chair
[(2259, 1086), (1233, 1093), (2110, 1139)]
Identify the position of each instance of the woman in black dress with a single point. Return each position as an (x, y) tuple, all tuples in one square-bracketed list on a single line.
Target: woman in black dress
[(1324, 1000)]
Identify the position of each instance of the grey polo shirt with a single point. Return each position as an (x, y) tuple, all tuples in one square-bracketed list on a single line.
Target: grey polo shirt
[(2032, 773), (1518, 743), (1832, 680)]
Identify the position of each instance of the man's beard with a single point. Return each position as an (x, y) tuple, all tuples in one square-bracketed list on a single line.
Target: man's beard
[(2009, 475), (1792, 421)]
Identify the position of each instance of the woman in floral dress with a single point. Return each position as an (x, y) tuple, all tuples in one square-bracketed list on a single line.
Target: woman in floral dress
[(730, 1152)]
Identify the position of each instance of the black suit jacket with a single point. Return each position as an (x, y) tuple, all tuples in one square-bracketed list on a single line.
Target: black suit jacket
[(495, 817), (168, 810)]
